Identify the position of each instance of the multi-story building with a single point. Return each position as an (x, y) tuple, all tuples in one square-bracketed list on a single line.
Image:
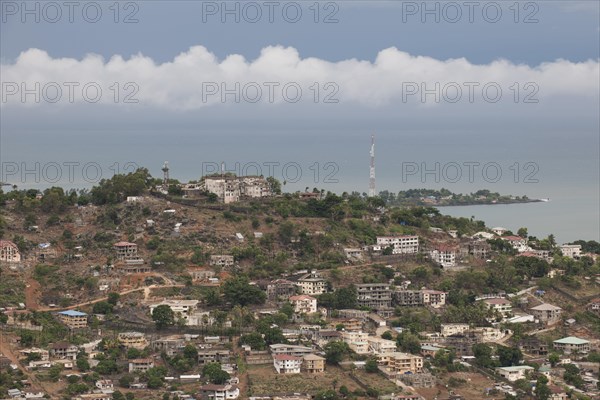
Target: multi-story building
[(182, 308), (281, 290), (434, 298), (140, 364), (313, 364), (547, 313), (376, 296), (406, 244), (480, 249), (572, 344), (378, 345), (125, 251), (63, 351), (219, 392), (515, 372), (221, 260), (353, 253), (201, 274), (136, 340), (304, 304), (454, 329), (73, 319), (398, 363), (534, 346), (501, 305), (594, 306), (312, 284), (444, 254), (571, 250), (290, 349), (357, 341), (286, 364), (230, 189), (222, 356), (169, 345), (9, 252), (518, 243), (409, 298)]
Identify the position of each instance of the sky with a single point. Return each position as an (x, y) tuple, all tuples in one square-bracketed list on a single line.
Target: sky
[(110, 85)]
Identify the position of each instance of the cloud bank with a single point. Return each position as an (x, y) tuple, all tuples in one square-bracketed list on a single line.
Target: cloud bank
[(196, 78)]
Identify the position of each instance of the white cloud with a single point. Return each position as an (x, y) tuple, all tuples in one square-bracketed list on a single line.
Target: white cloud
[(182, 83)]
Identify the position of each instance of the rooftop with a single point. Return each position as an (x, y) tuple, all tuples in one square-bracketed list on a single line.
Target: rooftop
[(73, 313), (571, 340), (546, 307)]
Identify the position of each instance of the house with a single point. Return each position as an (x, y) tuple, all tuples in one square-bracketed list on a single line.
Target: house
[(312, 284), (534, 346), (230, 189), (501, 305), (357, 341), (64, 350), (572, 344), (376, 296), (478, 248), (313, 364), (379, 345), (170, 345), (200, 274), (221, 260), (140, 364), (398, 363), (304, 304), (405, 244), (557, 393), (182, 308), (571, 250), (429, 350), (514, 373), (73, 319), (136, 340), (125, 251), (222, 356), (290, 349), (444, 255), (499, 230), (9, 252), (105, 385), (353, 253), (94, 396), (326, 336), (410, 298), (286, 364), (434, 298), (594, 306), (280, 289), (517, 242), (454, 329), (547, 313), (219, 392)]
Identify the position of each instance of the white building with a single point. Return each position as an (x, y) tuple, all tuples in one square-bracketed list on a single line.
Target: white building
[(357, 341), (286, 364), (380, 346), (9, 252), (219, 392), (221, 260), (515, 372), (230, 189), (503, 306), (444, 255), (353, 253), (182, 308), (517, 242), (304, 304), (405, 244), (312, 284), (571, 250)]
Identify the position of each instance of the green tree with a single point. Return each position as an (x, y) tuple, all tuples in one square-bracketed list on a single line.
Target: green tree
[(237, 290), (371, 366), (335, 351), (163, 316), (254, 340), (215, 374), (327, 395), (509, 356), (542, 391), (190, 352)]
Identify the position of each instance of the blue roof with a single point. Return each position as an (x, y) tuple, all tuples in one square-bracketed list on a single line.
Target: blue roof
[(72, 313)]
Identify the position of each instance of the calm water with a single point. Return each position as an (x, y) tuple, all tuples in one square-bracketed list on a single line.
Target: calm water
[(567, 218)]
